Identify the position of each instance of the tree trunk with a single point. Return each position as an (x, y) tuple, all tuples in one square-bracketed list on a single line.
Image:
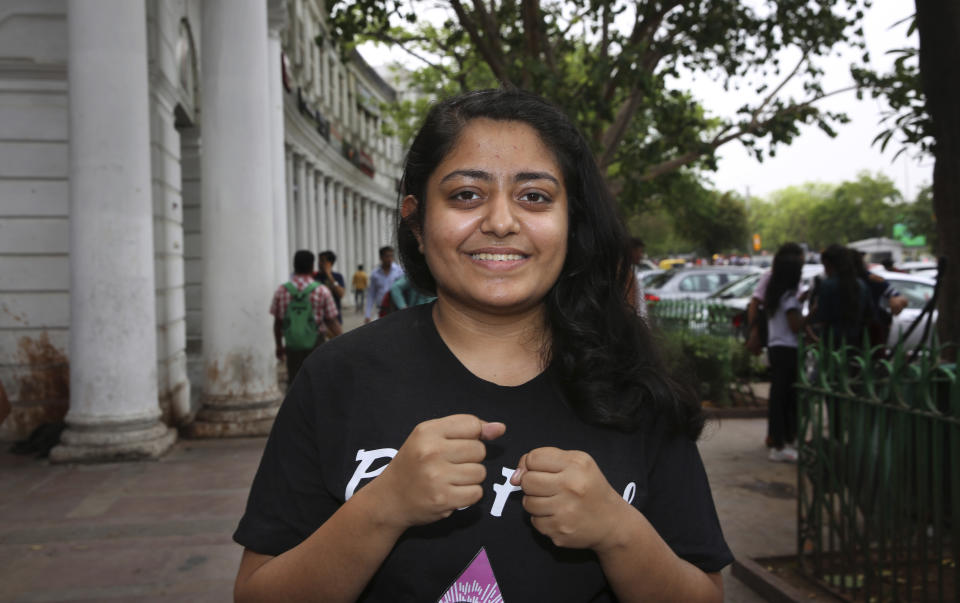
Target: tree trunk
[(938, 23)]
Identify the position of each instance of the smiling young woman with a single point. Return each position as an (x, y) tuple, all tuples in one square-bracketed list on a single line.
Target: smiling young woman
[(378, 482)]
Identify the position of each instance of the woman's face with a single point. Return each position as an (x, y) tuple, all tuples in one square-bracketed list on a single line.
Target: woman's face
[(495, 229)]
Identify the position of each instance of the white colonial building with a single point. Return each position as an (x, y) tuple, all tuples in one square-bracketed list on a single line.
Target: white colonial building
[(160, 162)]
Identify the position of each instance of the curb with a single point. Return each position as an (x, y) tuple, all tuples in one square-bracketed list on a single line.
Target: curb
[(737, 412), (769, 586)]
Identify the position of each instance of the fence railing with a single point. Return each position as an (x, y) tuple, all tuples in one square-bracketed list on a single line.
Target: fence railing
[(879, 475), (693, 315)]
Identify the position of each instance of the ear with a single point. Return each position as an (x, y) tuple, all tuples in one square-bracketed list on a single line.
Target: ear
[(408, 207)]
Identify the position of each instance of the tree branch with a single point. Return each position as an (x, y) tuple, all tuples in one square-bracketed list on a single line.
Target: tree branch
[(529, 15), (402, 44), (719, 140), (489, 55)]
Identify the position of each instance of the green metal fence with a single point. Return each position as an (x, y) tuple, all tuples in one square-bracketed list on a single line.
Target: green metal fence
[(879, 475), (693, 315)]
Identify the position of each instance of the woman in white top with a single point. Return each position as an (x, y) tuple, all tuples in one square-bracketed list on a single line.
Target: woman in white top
[(784, 321)]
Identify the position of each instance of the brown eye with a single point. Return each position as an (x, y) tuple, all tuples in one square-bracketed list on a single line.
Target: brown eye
[(535, 197), (465, 196)]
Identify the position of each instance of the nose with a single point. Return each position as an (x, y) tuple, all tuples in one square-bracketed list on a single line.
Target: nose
[(500, 218)]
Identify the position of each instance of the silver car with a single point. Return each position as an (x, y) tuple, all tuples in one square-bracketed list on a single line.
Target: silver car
[(693, 283)]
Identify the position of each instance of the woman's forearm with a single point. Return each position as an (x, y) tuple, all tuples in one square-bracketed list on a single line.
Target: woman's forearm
[(334, 564), (640, 566)]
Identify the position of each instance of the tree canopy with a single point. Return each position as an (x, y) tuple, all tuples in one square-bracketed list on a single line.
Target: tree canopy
[(618, 68), (820, 214)]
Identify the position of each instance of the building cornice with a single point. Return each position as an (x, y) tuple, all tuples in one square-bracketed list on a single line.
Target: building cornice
[(303, 139), (29, 70)]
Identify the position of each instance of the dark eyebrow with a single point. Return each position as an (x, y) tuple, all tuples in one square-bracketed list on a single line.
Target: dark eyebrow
[(482, 175), (524, 176), (476, 174)]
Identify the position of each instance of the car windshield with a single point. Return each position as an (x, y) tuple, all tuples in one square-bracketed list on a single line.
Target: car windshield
[(916, 293), (659, 280), (740, 288)]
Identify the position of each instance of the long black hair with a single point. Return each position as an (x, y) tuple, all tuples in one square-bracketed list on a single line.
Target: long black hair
[(787, 267), (603, 353), (836, 260)]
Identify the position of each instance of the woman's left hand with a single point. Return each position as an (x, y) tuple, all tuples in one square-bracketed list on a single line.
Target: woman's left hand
[(569, 499)]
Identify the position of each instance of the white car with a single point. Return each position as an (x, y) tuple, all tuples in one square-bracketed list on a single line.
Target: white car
[(918, 289)]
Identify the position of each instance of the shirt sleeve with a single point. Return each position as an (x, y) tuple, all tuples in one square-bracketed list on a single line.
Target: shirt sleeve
[(323, 306), (680, 506), (789, 301), (372, 292), (275, 303), (761, 289)]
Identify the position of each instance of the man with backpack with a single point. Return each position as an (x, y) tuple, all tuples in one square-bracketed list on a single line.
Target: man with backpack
[(304, 313)]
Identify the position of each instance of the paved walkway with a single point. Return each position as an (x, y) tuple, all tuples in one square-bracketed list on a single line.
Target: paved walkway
[(160, 531)]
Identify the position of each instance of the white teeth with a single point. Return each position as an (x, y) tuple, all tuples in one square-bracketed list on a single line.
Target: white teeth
[(497, 257)]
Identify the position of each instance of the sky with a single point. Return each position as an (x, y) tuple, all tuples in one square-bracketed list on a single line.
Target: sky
[(816, 157), (812, 156)]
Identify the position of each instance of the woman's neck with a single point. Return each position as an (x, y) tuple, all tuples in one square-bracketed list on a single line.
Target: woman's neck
[(502, 349)]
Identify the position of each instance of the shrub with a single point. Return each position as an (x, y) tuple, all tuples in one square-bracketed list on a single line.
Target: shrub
[(708, 359)]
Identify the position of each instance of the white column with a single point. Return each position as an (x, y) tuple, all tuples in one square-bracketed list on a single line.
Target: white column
[(114, 412), (277, 164), (316, 184), (325, 72), (359, 248), (330, 225), (383, 226), (334, 204), (377, 229), (321, 211), (341, 221), (310, 211), (240, 393), (291, 222), (301, 203), (349, 234), (371, 254)]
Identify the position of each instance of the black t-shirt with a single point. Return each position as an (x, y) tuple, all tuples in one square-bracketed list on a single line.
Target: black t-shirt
[(358, 397), (321, 277)]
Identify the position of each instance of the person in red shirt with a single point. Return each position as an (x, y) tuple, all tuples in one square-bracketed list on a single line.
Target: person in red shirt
[(324, 310)]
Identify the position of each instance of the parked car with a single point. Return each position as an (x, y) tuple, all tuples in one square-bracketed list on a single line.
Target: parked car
[(669, 263), (917, 288), (693, 283), (736, 296), (647, 265)]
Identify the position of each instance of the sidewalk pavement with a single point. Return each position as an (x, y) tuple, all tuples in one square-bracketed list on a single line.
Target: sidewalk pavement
[(161, 531)]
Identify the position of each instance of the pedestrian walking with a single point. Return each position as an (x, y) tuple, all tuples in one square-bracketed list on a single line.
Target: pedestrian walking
[(359, 282), (782, 312), (404, 295), (303, 314), (379, 482), (330, 279), (381, 280)]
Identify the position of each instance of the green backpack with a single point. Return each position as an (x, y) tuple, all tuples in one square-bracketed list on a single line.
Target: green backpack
[(299, 322)]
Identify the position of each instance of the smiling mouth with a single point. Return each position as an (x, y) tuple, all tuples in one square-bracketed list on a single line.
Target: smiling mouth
[(497, 257)]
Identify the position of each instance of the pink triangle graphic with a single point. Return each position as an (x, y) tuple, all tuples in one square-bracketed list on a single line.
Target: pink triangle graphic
[(475, 584)]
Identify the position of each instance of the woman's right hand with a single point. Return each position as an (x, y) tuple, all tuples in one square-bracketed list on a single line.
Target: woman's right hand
[(437, 470)]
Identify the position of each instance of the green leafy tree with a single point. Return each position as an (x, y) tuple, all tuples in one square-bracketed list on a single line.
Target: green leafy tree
[(820, 214), (923, 96), (614, 67), (787, 214), (687, 216)]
